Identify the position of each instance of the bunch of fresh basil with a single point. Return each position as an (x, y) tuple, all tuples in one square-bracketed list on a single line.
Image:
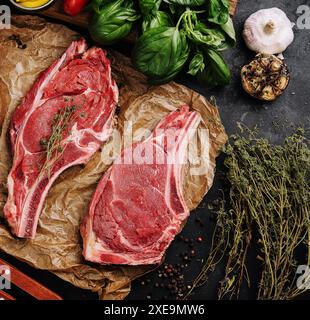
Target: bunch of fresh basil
[(174, 33)]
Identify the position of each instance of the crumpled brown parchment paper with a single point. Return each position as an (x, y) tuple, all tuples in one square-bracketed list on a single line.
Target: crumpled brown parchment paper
[(57, 246)]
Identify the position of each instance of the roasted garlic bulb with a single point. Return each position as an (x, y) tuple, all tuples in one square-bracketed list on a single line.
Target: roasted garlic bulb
[(266, 77)]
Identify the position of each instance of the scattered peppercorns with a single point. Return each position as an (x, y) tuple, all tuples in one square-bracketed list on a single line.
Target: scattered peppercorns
[(170, 277)]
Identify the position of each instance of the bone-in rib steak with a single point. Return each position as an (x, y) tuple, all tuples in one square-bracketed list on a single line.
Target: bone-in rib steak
[(138, 206), (61, 122)]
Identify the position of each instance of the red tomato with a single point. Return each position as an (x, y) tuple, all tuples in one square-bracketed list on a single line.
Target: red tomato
[(74, 7)]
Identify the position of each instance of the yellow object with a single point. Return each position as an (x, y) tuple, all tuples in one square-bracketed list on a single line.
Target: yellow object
[(33, 3)]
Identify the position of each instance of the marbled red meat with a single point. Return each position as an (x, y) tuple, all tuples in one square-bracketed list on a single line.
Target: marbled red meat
[(139, 207), (76, 94)]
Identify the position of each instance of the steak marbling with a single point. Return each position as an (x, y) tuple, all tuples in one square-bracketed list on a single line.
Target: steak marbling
[(61, 122), (138, 207)]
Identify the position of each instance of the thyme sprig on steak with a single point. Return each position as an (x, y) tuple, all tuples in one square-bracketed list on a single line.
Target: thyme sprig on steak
[(53, 146)]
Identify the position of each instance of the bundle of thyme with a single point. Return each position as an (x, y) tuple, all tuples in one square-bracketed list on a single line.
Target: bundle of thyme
[(269, 196)]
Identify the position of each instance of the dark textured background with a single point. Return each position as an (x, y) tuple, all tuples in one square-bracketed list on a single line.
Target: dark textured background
[(275, 121)]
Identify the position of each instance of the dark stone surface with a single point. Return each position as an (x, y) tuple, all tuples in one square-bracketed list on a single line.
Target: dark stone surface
[(275, 121)]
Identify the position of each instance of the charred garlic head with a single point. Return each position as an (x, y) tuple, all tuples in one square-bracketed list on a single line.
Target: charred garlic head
[(266, 77), (268, 31)]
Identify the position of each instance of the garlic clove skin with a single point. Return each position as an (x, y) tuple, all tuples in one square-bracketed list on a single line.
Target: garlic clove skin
[(268, 31)]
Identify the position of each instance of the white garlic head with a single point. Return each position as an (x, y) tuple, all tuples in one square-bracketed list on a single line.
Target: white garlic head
[(268, 31)]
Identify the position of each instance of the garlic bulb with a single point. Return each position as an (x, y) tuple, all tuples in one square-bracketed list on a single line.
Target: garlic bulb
[(268, 31), (266, 77)]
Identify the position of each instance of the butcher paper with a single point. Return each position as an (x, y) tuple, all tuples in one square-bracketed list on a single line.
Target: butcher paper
[(26, 49)]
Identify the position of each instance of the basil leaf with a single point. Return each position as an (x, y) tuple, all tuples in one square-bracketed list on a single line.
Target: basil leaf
[(161, 53), (201, 34), (197, 64), (218, 11), (97, 4), (189, 3), (159, 19), (216, 71), (148, 7), (229, 29), (112, 22)]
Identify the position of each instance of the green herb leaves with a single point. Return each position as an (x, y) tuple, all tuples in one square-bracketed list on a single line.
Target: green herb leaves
[(197, 64), (208, 64), (230, 35), (160, 53), (173, 35), (159, 19), (218, 11), (216, 71), (189, 3), (270, 184), (148, 7), (113, 21), (200, 34), (162, 50), (53, 146), (268, 207)]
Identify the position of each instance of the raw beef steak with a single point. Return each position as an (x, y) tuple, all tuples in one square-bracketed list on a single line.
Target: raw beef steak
[(138, 206), (61, 122)]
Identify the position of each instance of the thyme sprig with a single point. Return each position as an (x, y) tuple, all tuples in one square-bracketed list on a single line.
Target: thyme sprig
[(53, 146)]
